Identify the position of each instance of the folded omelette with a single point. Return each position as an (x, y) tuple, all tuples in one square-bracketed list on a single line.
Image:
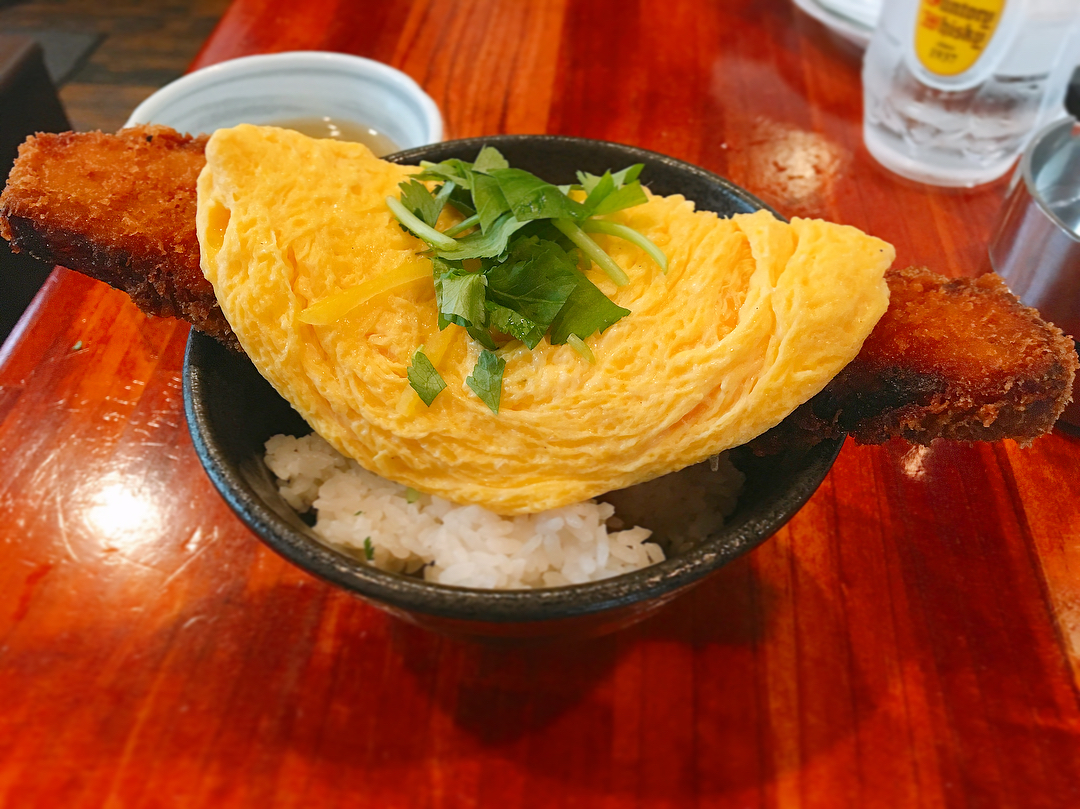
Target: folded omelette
[(753, 318)]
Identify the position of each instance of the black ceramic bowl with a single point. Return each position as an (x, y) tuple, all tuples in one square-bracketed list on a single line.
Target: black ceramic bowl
[(232, 410)]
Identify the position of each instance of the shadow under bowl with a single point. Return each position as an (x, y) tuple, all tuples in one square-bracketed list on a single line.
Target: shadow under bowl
[(232, 411)]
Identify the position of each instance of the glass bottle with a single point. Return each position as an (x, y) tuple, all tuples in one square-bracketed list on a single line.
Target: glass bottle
[(953, 89)]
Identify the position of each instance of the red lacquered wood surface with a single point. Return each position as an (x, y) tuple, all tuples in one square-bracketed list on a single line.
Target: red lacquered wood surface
[(911, 638)]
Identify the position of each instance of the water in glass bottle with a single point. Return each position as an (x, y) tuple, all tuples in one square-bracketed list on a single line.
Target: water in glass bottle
[(953, 89)]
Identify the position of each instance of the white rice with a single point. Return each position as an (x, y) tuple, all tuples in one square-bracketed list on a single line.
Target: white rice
[(403, 531)]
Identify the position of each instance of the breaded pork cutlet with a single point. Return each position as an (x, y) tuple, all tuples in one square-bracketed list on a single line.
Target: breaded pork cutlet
[(967, 361), (959, 359), (119, 208)]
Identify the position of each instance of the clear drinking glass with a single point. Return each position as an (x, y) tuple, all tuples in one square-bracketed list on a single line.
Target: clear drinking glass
[(954, 89)]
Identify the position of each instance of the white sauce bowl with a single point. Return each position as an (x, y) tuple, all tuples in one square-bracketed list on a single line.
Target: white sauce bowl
[(272, 88)]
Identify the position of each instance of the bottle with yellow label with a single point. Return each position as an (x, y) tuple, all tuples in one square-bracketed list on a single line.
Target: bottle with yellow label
[(953, 89)]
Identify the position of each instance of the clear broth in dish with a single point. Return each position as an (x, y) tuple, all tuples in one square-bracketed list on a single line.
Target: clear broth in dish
[(338, 129)]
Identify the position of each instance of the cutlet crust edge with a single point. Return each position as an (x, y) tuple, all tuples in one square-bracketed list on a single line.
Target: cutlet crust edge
[(151, 254), (1010, 375)]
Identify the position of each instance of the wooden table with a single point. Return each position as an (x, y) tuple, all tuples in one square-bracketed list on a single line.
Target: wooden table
[(911, 638)]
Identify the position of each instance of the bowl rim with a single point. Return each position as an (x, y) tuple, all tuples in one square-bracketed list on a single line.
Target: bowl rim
[(267, 63), (388, 590)]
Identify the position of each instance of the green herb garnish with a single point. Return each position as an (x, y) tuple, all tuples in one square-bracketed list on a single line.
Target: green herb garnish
[(586, 311), (510, 270), (486, 379), (534, 281), (424, 379), (489, 158), (422, 203), (369, 549), (459, 295)]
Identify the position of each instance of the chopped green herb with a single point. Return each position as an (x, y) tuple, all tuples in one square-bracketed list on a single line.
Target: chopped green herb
[(358, 513), (481, 244), (597, 189), (411, 495), (461, 198), (514, 267), (459, 295), (592, 250), (418, 227), (486, 379), (619, 178), (424, 379), (507, 321), (490, 158), (534, 281), (628, 174), (465, 224), (626, 197), (581, 348), (586, 311), (630, 235), (612, 192), (529, 197), (426, 206), (455, 171), (369, 549), (490, 201), (484, 337)]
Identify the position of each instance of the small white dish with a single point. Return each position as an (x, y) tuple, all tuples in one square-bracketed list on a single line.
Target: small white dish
[(272, 88), (851, 30), (865, 13)]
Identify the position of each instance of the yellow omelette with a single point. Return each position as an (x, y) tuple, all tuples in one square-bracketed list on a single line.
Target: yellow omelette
[(753, 318)]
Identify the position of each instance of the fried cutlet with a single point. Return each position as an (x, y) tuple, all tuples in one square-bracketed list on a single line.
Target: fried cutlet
[(959, 359), (119, 208)]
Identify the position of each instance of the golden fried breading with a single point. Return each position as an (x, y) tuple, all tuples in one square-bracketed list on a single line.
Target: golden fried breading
[(119, 208), (959, 359)]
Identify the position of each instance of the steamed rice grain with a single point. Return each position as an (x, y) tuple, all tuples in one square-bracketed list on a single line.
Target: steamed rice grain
[(401, 531)]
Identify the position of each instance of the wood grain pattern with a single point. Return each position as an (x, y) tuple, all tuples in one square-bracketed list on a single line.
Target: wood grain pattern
[(142, 47), (910, 639)]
